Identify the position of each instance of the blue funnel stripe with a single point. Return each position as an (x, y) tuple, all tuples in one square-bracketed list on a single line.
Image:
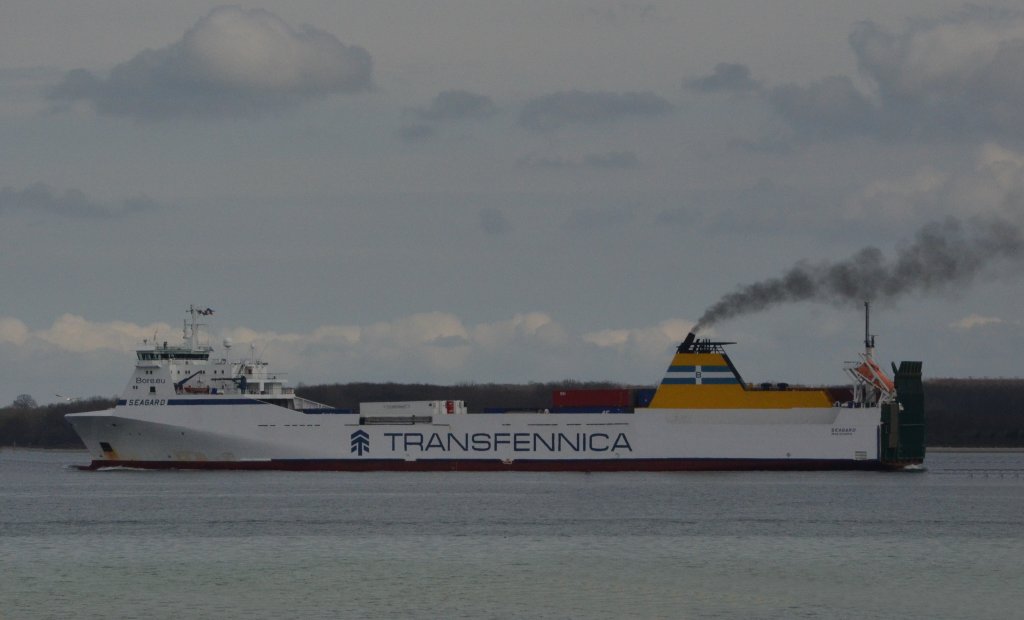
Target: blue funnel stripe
[(698, 375)]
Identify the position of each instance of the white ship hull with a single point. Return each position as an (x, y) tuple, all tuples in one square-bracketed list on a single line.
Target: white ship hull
[(264, 436), (183, 408)]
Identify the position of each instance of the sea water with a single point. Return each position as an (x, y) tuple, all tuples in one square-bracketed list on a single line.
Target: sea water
[(944, 543)]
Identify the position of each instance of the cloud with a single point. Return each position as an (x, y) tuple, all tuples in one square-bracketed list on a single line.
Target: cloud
[(726, 78), (493, 222), (20, 87), (612, 159), (956, 77), (679, 216), (960, 75), (416, 132), (622, 160), (994, 186), (457, 105), (644, 342), (621, 12), (975, 320), (830, 106), (593, 219), (431, 344), (531, 326), (13, 331), (234, 62), (72, 203), (74, 333), (71, 332), (545, 162), (557, 110), (434, 341)]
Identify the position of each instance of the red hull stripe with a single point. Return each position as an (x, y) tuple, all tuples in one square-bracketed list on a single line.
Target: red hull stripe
[(524, 465)]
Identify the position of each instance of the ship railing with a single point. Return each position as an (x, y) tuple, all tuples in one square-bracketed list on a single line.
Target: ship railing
[(305, 403), (781, 387)]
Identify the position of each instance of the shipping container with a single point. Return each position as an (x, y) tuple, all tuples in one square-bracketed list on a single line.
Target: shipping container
[(413, 408), (642, 397), (591, 410), (615, 397)]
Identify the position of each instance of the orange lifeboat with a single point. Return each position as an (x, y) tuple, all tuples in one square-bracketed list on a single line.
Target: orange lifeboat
[(874, 375)]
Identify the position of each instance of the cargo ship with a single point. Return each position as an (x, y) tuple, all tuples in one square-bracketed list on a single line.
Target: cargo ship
[(187, 408)]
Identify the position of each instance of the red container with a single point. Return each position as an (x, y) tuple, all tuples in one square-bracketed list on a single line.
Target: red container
[(622, 397)]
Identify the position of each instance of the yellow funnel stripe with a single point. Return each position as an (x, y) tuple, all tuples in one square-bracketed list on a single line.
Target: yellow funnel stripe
[(707, 381)]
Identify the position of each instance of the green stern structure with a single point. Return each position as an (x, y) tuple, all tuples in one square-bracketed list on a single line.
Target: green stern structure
[(903, 424)]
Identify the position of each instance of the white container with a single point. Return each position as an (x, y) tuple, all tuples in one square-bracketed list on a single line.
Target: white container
[(413, 408)]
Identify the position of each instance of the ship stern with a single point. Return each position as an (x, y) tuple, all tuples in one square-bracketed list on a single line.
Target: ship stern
[(902, 433)]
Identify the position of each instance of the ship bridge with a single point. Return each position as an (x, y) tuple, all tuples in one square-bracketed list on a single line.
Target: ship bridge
[(189, 367)]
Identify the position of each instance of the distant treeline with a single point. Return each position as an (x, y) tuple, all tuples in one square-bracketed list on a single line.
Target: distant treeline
[(960, 412), (974, 412), (23, 423)]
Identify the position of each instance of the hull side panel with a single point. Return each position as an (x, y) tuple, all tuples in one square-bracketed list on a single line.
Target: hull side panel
[(267, 437), (482, 465)]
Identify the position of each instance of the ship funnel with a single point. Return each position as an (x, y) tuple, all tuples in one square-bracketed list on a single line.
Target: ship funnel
[(704, 345)]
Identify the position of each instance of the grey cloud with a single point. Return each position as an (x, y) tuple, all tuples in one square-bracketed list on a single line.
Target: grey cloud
[(493, 222), (830, 106), (72, 203), (557, 110), (450, 341), (726, 78), (587, 220), (417, 132), (24, 83), (623, 12), (454, 105), (611, 160), (234, 62), (541, 162), (679, 216), (960, 76)]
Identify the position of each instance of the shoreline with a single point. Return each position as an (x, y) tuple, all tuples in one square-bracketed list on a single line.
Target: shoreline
[(967, 449)]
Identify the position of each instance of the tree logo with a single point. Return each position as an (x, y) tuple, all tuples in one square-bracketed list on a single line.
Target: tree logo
[(360, 442)]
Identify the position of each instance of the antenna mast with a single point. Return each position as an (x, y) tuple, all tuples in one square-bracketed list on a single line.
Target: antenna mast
[(869, 340), (192, 327)]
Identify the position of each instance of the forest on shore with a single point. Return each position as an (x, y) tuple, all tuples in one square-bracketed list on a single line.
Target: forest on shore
[(981, 413)]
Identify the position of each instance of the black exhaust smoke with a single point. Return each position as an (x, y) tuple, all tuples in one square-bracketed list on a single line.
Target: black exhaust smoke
[(943, 256)]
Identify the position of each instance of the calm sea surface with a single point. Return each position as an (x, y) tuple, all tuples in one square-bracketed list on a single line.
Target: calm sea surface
[(946, 543)]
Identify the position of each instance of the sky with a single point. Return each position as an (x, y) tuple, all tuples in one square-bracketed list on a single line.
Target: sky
[(473, 191)]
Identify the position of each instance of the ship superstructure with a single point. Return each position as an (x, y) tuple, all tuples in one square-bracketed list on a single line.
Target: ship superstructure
[(187, 408), (187, 373)]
